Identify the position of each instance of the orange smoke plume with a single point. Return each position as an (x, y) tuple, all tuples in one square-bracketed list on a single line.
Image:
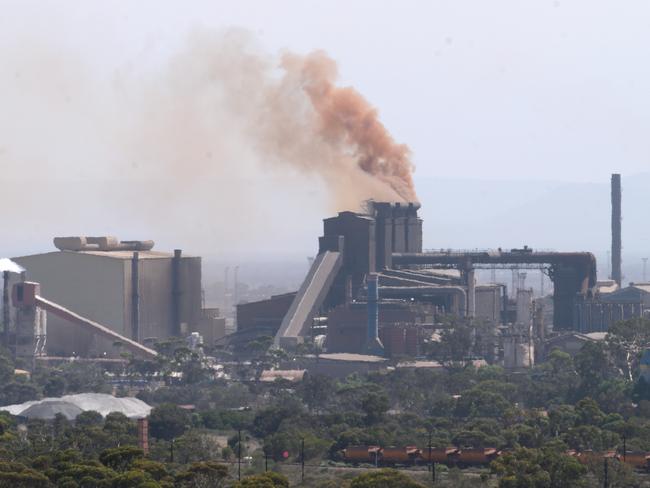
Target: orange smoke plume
[(349, 122)]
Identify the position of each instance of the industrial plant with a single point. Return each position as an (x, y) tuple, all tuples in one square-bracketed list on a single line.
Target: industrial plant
[(372, 291)]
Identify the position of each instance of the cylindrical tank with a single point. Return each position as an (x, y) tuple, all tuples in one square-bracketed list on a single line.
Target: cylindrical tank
[(358, 454), (439, 455), (400, 455), (636, 459), (470, 457)]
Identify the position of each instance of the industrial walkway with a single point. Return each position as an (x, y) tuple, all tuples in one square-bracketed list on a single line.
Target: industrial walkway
[(297, 322)]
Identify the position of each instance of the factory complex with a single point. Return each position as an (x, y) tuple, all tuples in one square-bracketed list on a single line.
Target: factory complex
[(373, 296)]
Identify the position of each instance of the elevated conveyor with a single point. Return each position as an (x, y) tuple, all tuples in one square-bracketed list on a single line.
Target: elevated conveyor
[(96, 328), (297, 322), (26, 298)]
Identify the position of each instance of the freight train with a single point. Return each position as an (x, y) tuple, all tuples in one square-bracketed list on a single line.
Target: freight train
[(466, 457)]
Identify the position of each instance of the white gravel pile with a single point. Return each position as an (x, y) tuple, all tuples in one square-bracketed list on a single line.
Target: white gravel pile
[(81, 402)]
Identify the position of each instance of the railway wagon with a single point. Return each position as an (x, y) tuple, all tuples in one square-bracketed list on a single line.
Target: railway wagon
[(453, 456), (590, 457), (440, 455), (474, 457), (362, 454), (400, 455), (636, 459)]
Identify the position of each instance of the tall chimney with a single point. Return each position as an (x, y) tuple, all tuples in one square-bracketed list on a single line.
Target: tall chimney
[(176, 293), (143, 435), (135, 296), (616, 228)]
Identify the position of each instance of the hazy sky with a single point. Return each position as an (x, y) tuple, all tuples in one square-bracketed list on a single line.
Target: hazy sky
[(507, 90), (492, 89)]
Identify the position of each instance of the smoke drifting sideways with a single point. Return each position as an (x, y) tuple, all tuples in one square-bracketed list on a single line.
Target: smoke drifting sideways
[(210, 150)]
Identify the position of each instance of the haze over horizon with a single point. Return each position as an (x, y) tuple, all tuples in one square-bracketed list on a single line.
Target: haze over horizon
[(536, 103)]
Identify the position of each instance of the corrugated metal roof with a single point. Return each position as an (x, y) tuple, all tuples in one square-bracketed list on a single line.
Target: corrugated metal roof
[(630, 294), (113, 254), (642, 286)]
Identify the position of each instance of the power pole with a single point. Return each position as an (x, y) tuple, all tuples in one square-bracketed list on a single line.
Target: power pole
[(302, 459), (429, 450), (239, 454)]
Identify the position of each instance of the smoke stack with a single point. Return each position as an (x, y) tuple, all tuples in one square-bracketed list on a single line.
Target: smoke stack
[(235, 287), (143, 435), (373, 344), (135, 296), (616, 229), (176, 293)]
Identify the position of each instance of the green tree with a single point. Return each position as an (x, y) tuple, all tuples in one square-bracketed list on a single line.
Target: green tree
[(588, 412), (89, 418), (384, 478), (16, 475), (627, 340), (208, 474), (54, 386), (18, 392), (7, 366), (156, 470), (317, 391), (481, 402), (456, 341), (265, 480), (534, 468), (168, 421), (593, 366), (134, 479), (120, 458), (374, 406)]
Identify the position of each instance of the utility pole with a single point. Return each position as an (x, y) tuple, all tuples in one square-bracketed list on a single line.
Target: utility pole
[(239, 454), (432, 465), (606, 482), (302, 459)]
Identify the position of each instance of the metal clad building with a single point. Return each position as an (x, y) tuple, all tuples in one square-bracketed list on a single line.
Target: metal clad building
[(101, 286)]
